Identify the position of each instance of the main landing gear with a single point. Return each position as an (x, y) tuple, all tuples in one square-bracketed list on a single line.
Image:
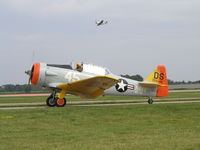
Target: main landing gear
[(54, 100), (150, 100)]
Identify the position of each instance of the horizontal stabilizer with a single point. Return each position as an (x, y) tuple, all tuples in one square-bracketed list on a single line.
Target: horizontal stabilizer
[(150, 84)]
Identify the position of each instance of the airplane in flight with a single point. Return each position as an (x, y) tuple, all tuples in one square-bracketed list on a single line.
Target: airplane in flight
[(90, 81), (102, 22)]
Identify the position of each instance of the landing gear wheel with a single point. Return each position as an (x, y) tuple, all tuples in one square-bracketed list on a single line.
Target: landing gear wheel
[(150, 101), (60, 102), (51, 101)]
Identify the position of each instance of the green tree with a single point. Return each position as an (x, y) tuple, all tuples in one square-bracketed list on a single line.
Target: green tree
[(2, 89), (27, 88), (134, 77)]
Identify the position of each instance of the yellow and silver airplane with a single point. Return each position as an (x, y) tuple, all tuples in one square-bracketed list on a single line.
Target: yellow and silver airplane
[(91, 81)]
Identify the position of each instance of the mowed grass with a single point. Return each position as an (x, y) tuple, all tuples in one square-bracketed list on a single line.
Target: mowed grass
[(137, 127), (75, 98)]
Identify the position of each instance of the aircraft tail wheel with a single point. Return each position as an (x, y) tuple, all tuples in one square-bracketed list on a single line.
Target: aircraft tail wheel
[(60, 102), (150, 101)]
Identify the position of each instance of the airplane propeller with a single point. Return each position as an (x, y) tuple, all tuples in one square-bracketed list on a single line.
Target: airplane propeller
[(30, 73)]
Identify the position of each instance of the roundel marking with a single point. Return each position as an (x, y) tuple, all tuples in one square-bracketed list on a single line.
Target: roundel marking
[(122, 86)]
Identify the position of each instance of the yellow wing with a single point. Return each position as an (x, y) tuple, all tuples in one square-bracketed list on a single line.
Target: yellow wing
[(91, 87)]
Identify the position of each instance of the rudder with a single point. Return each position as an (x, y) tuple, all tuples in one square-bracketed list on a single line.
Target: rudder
[(162, 89), (159, 78)]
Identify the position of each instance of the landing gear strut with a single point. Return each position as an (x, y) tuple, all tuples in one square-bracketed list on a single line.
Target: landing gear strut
[(53, 100), (150, 100)]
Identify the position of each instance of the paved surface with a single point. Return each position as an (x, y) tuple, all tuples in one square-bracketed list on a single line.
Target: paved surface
[(182, 91), (184, 86), (12, 108), (124, 104), (91, 103), (100, 101), (22, 95)]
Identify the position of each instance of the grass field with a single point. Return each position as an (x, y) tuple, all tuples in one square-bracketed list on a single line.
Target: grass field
[(141, 127), (136, 127)]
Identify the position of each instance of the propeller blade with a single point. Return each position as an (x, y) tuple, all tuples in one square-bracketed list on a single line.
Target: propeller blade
[(29, 72), (29, 81)]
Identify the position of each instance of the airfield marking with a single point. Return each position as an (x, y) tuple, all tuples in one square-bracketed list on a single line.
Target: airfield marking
[(101, 105)]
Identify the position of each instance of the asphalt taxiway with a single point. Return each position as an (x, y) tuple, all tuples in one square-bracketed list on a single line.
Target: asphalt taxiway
[(98, 103)]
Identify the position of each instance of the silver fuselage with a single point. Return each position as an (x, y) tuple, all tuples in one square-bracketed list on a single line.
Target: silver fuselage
[(52, 76)]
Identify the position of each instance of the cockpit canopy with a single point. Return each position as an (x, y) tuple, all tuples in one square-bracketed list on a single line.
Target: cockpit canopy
[(90, 68), (84, 67)]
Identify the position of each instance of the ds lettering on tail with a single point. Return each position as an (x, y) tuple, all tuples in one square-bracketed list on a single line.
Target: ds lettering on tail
[(159, 76)]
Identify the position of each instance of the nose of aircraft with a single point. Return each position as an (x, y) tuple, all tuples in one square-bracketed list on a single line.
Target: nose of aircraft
[(34, 73)]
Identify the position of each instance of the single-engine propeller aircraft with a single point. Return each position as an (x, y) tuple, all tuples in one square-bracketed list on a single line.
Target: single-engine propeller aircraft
[(102, 22), (91, 81)]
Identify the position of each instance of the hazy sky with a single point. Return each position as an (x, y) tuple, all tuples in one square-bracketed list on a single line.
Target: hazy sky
[(140, 35)]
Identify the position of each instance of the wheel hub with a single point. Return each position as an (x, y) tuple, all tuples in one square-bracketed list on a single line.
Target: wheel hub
[(60, 101)]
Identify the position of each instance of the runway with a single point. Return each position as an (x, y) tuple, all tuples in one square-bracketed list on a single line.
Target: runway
[(102, 103), (24, 95)]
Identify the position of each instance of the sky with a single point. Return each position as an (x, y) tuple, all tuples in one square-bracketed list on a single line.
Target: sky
[(140, 35)]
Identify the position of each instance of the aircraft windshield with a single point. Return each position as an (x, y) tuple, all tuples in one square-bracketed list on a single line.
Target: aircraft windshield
[(95, 69)]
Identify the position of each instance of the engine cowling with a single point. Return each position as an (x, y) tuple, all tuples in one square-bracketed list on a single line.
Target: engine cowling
[(37, 76)]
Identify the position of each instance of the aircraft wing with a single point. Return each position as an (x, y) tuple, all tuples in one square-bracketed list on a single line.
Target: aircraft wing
[(91, 87)]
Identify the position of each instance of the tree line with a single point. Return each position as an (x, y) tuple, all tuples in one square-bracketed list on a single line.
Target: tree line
[(21, 88)]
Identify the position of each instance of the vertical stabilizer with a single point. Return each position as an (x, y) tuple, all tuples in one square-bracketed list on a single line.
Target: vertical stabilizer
[(153, 77), (158, 78), (162, 89)]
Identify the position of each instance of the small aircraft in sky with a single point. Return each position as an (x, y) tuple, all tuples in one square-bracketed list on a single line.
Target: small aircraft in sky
[(90, 81), (102, 22)]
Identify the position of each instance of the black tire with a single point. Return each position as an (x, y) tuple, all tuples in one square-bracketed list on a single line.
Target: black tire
[(51, 102), (58, 104), (150, 101)]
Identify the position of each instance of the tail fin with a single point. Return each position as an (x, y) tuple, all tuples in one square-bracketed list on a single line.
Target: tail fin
[(159, 77)]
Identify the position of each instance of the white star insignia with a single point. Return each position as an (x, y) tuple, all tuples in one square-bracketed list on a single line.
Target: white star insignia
[(121, 85)]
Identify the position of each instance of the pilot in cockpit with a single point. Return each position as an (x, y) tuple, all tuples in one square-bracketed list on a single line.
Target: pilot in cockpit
[(79, 67)]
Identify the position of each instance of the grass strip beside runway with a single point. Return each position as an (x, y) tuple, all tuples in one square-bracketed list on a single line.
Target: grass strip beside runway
[(141, 127)]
